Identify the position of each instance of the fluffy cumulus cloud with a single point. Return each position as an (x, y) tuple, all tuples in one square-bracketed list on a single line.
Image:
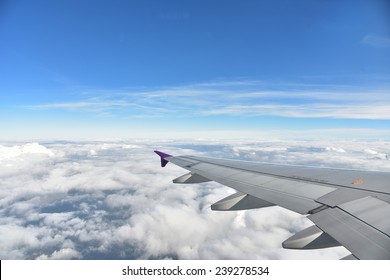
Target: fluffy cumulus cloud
[(79, 200)]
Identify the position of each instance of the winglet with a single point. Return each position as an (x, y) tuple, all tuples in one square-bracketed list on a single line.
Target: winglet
[(163, 156)]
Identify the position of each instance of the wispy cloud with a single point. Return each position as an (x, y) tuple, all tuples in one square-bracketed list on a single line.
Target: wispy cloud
[(377, 111), (376, 41), (237, 98), (98, 106), (85, 105)]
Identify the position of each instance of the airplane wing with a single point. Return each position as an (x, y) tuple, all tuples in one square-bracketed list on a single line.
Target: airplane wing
[(349, 208)]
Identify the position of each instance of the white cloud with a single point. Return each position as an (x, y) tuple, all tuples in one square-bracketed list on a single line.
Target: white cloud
[(67, 202), (376, 41), (29, 148), (63, 254)]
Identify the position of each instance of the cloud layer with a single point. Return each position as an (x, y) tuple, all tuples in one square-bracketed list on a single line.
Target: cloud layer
[(80, 200)]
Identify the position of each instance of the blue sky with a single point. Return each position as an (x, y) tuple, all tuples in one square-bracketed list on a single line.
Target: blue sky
[(112, 69)]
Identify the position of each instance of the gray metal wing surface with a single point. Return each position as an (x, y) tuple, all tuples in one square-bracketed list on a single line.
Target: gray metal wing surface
[(348, 207)]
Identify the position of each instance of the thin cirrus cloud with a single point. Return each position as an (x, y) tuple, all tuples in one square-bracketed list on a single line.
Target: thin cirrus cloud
[(242, 98), (376, 41), (104, 107), (112, 200), (374, 111)]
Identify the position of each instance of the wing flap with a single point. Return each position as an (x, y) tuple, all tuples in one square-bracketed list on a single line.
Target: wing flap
[(361, 239), (341, 196), (371, 211)]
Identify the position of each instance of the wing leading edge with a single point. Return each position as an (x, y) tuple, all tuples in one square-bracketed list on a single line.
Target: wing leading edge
[(348, 207)]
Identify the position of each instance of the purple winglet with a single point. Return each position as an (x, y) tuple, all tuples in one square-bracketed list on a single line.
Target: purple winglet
[(163, 156)]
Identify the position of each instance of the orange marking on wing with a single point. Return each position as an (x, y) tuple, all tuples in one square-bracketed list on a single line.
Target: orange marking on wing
[(357, 182)]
